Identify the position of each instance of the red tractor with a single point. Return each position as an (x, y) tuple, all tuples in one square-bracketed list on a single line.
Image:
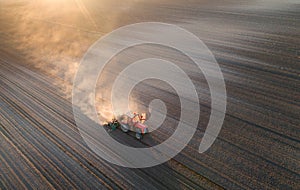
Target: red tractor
[(131, 122)]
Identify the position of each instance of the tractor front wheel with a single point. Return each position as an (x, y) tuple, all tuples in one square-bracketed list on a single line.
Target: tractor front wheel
[(124, 128), (138, 136)]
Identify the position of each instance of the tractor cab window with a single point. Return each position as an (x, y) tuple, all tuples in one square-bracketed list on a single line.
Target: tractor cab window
[(136, 118)]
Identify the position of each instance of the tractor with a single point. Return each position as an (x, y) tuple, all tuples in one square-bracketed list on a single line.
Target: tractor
[(130, 122)]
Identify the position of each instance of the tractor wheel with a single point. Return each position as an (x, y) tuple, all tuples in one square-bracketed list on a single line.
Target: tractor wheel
[(124, 128), (138, 136)]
